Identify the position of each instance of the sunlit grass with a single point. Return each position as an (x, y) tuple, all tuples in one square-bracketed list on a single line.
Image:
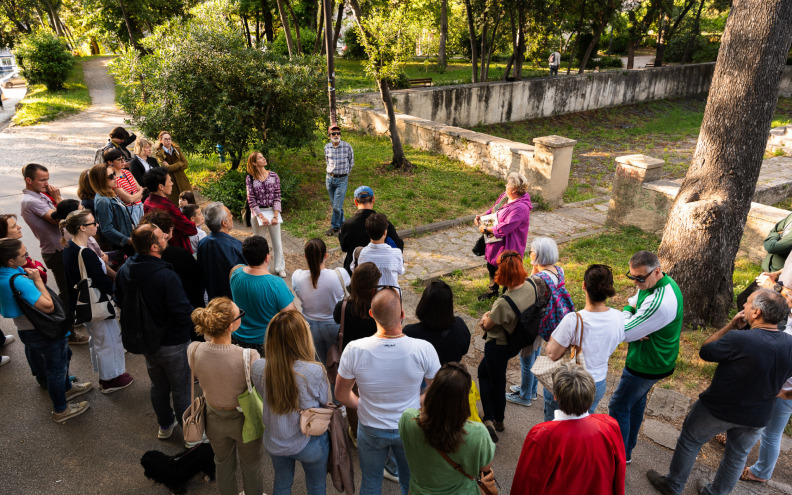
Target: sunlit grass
[(41, 105)]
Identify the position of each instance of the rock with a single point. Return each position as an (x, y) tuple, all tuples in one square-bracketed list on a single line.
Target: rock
[(662, 433), (667, 404)]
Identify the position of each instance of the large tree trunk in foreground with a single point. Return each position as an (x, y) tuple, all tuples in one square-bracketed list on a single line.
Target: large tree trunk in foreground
[(399, 160), (706, 222)]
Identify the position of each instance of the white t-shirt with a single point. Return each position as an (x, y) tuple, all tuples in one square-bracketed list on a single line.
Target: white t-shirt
[(602, 333), (318, 304), (788, 384), (195, 239), (388, 374)]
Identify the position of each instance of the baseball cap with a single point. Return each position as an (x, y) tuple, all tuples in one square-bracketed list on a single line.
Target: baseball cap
[(333, 128), (364, 192)]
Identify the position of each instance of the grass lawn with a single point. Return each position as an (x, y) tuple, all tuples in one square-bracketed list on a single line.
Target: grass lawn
[(40, 105), (613, 248), (439, 188)]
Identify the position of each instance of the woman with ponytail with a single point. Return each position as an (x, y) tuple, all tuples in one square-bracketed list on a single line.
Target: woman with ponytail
[(220, 367), (603, 332), (319, 290)]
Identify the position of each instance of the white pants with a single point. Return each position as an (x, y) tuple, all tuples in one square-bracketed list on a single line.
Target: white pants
[(279, 262), (107, 350)]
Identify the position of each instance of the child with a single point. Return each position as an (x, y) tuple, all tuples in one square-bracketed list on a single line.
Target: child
[(388, 259), (195, 215), (186, 198)]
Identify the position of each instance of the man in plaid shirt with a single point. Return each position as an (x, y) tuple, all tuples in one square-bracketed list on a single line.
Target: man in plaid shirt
[(340, 159)]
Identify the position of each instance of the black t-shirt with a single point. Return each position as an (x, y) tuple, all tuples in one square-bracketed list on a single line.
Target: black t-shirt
[(353, 234), (189, 271), (752, 367), (354, 327), (450, 343)]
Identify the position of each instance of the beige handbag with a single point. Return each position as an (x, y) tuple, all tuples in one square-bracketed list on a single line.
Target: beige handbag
[(544, 367), (314, 421), (194, 418)]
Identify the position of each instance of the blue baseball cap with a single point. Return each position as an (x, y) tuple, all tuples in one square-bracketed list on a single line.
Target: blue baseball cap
[(364, 192)]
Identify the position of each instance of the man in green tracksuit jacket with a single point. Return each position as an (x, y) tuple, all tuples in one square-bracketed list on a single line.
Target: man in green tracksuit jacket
[(778, 244), (653, 323)]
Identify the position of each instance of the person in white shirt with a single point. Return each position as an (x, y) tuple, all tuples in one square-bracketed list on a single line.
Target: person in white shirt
[(319, 290), (195, 215), (602, 331), (388, 368), (388, 259)]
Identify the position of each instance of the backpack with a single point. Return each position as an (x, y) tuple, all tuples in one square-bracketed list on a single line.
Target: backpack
[(558, 306), (528, 321), (139, 332)]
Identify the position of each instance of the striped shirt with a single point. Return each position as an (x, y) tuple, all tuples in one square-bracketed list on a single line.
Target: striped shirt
[(126, 182), (389, 261), (340, 159)]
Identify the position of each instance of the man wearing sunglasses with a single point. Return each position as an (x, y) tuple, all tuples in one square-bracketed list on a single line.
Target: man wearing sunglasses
[(653, 322), (340, 158)]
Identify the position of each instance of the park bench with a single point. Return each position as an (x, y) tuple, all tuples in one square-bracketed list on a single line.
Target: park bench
[(422, 82), (653, 65)]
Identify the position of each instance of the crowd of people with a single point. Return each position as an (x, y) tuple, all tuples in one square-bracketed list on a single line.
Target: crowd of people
[(134, 245)]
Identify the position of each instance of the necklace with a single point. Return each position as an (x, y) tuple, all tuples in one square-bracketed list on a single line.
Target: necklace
[(386, 336)]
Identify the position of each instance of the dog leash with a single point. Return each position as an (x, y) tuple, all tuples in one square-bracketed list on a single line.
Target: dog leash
[(187, 452)]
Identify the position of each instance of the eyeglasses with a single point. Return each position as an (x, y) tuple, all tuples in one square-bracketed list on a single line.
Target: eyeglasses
[(87, 224), (241, 314), (26, 256), (335, 133), (641, 279), (391, 287), (111, 176)]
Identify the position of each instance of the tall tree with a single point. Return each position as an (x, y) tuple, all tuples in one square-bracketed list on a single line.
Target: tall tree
[(669, 25), (707, 220), (639, 21), (441, 51), (286, 31), (472, 30)]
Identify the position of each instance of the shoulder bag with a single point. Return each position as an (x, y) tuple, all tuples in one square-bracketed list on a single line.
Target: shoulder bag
[(194, 418), (92, 303), (336, 348), (485, 480), (314, 421), (479, 247), (54, 325), (544, 367), (251, 405), (245, 214)]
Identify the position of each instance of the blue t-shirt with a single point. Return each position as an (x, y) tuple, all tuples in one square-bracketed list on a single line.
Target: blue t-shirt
[(261, 297), (8, 306)]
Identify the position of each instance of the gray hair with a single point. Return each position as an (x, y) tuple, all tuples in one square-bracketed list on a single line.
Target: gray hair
[(772, 305), (646, 259), (518, 182), (215, 213), (546, 251), (574, 388)]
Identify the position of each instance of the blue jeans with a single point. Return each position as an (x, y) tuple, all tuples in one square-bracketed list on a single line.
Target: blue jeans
[(699, 428), (313, 458), (324, 335), (374, 445), (771, 439), (336, 188), (170, 375), (627, 406), (492, 379), (55, 356), (528, 382), (550, 404)]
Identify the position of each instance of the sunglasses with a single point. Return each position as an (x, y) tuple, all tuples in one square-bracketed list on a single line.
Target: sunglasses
[(87, 224), (391, 287), (111, 176), (640, 279), (335, 133), (241, 314)]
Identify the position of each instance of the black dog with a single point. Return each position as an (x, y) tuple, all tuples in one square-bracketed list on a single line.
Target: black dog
[(175, 471)]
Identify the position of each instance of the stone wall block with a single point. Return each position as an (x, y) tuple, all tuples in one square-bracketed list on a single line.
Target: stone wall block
[(629, 203), (548, 170)]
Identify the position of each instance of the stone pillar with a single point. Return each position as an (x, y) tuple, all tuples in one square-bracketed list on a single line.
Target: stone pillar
[(627, 196), (548, 172)]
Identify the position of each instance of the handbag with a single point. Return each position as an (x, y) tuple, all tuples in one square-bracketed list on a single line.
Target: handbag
[(92, 303), (194, 418), (485, 480), (478, 248), (314, 421), (251, 405), (335, 349), (544, 367), (54, 325), (245, 214)]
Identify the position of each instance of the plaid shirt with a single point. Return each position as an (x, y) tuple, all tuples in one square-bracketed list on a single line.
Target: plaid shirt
[(341, 159)]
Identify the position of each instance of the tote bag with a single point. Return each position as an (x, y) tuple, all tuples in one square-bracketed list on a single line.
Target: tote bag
[(251, 405), (544, 367), (92, 303)]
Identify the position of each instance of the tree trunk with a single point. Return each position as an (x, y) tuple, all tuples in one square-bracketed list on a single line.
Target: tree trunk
[(473, 48), (441, 52), (399, 161), (491, 48), (327, 10), (592, 45), (320, 41), (706, 222), (130, 29), (506, 76), (246, 27), (630, 54), (519, 58), (296, 26), (694, 34), (286, 30), (337, 30), (483, 53), (94, 46), (269, 32)]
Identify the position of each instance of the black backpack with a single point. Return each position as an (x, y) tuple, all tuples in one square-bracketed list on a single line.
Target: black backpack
[(139, 332), (528, 321)]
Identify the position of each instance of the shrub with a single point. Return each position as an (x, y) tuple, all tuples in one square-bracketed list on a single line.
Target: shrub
[(229, 188), (307, 37), (607, 63), (44, 59), (707, 53), (354, 50), (399, 82)]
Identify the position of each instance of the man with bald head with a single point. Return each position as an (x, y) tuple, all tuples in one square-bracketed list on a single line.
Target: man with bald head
[(388, 368)]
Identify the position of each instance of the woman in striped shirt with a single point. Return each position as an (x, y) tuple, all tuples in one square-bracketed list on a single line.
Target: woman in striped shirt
[(127, 189)]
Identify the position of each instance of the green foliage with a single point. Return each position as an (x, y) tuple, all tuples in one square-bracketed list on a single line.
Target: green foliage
[(389, 41), (42, 105), (228, 188), (354, 50), (307, 38), (707, 53), (401, 81), (44, 59), (607, 63)]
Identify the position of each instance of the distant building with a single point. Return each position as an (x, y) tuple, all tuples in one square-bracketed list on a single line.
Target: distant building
[(7, 61)]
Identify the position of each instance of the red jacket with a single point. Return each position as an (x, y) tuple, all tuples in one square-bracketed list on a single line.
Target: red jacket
[(182, 228), (580, 456)]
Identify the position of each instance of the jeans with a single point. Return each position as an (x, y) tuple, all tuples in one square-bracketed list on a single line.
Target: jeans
[(627, 406), (374, 445), (336, 188), (314, 463), (170, 375), (55, 356), (528, 382), (771, 439), (54, 262), (550, 404), (553, 70), (107, 350), (699, 428), (492, 379), (324, 335), (278, 261)]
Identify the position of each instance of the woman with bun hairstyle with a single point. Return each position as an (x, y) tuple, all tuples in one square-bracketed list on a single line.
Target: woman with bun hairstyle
[(603, 332), (219, 366)]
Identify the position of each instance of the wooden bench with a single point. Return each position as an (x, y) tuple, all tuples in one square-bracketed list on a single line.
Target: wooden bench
[(653, 65), (422, 82)]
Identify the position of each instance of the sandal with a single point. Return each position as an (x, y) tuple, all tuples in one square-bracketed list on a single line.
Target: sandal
[(747, 475), (721, 438)]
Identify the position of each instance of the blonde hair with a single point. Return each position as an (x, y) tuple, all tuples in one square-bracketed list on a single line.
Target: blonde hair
[(72, 223), (288, 340), (141, 144), (214, 318)]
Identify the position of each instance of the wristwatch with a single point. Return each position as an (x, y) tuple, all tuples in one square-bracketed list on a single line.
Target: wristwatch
[(778, 286)]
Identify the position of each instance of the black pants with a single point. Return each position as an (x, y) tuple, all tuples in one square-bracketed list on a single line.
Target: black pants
[(248, 345), (492, 379)]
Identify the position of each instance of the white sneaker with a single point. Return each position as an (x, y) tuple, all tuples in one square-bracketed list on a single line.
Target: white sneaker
[(4, 360), (189, 445), (8, 340), (388, 476), (282, 273)]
